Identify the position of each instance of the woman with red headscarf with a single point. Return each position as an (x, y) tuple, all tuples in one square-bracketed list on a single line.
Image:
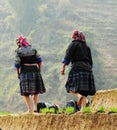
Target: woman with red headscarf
[(28, 67), (80, 80)]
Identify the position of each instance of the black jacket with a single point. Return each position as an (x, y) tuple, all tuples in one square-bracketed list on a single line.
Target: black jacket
[(79, 54)]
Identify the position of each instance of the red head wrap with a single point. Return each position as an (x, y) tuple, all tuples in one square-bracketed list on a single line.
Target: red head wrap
[(23, 41)]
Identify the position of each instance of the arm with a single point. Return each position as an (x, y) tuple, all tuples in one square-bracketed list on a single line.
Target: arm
[(18, 72), (68, 57), (63, 69), (69, 53), (39, 60), (17, 65), (40, 66)]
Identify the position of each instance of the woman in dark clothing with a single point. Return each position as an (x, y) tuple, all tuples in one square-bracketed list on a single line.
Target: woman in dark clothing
[(80, 80), (28, 67)]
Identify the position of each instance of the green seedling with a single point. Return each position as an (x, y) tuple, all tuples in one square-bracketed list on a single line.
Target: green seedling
[(52, 110), (60, 110), (87, 110), (70, 110), (101, 109), (44, 110), (113, 110), (5, 113)]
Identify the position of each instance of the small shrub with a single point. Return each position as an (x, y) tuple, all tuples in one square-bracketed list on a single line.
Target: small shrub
[(113, 110), (5, 113), (101, 109), (44, 110), (60, 111), (52, 110), (87, 110), (69, 110)]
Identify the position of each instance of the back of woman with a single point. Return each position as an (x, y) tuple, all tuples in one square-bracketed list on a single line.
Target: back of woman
[(80, 80), (28, 67)]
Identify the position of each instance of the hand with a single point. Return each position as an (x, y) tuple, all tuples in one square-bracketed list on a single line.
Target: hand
[(63, 72)]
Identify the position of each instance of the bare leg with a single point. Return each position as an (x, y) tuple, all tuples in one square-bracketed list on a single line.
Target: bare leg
[(76, 94), (35, 98), (27, 99), (79, 97), (83, 102)]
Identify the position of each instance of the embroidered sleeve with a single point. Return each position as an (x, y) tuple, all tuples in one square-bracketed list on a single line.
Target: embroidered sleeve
[(66, 61), (39, 59)]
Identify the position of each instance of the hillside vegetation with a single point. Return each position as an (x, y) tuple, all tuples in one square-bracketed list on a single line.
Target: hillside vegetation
[(48, 26)]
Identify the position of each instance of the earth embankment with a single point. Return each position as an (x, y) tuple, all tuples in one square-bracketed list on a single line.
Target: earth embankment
[(77, 121)]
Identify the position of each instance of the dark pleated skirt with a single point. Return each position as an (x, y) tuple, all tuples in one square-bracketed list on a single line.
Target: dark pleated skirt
[(31, 84), (81, 82)]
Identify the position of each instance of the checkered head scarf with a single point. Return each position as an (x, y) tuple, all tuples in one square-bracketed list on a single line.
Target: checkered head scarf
[(78, 35)]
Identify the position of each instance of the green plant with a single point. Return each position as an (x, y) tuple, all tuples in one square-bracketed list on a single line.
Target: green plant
[(87, 110), (101, 109), (113, 110), (60, 110), (52, 110), (5, 113), (69, 110), (44, 110)]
